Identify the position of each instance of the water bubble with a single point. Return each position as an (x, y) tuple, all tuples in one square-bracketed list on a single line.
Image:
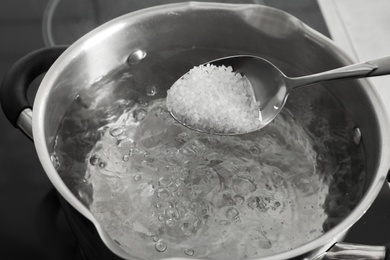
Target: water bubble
[(173, 187), (254, 150), (164, 181), (174, 157), (238, 199), (139, 114), (172, 213), (253, 202), (231, 213), (142, 102), (127, 225), (184, 172), (189, 251), (102, 164), (116, 131), (163, 193), (159, 112), (170, 222), (131, 152), (183, 137), (188, 228), (243, 186), (213, 157), (161, 217), (228, 200), (126, 142), (160, 246), (55, 160), (149, 160), (278, 181), (223, 223), (194, 148), (188, 151), (137, 177), (120, 140), (151, 90), (136, 57)]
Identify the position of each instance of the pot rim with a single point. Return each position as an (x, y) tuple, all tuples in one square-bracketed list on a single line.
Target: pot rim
[(329, 237)]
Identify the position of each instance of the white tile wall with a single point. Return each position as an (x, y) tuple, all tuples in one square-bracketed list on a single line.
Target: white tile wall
[(362, 28)]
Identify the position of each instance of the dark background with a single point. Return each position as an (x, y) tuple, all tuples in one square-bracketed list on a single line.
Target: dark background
[(32, 226)]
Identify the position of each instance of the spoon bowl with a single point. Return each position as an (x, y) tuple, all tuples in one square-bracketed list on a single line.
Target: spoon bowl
[(271, 87), (267, 81)]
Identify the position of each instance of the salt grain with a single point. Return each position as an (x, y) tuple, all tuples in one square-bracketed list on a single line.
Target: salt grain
[(214, 99)]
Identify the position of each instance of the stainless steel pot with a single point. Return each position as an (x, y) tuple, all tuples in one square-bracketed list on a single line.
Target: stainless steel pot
[(219, 29)]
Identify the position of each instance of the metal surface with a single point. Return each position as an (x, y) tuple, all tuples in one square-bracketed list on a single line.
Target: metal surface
[(25, 122), (352, 251), (276, 36)]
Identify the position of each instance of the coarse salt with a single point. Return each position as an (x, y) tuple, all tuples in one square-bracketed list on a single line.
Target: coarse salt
[(214, 99)]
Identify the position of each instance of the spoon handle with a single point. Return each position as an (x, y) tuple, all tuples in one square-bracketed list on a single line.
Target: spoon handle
[(371, 68), (383, 67)]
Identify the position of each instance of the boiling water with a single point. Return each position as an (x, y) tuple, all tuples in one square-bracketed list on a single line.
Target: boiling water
[(161, 190)]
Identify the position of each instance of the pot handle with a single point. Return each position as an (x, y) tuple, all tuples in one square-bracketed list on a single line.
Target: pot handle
[(341, 251), (13, 91)]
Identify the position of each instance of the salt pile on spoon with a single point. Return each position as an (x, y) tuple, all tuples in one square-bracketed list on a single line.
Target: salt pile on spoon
[(214, 99)]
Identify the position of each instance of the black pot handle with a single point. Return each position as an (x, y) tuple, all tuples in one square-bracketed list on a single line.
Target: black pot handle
[(13, 91)]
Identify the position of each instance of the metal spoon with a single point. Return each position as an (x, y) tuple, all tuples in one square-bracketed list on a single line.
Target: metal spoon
[(271, 86)]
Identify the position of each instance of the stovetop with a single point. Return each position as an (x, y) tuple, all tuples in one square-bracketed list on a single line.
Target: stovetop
[(32, 224)]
